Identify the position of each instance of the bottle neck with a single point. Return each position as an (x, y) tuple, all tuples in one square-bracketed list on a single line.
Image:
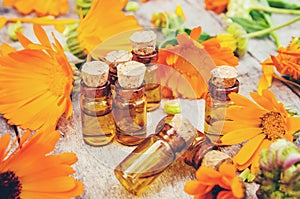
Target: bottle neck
[(148, 59), (221, 93), (94, 92), (130, 93), (178, 138)]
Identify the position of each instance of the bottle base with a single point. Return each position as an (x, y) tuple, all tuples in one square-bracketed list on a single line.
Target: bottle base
[(98, 141), (131, 139), (152, 106)]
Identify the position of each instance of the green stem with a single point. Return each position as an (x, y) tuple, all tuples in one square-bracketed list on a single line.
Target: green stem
[(268, 30), (276, 10)]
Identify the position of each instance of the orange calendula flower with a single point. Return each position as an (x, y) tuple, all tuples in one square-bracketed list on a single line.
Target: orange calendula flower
[(29, 172), (191, 63), (218, 6), (221, 184), (287, 62), (260, 123), (103, 21), (187, 68), (220, 55), (42, 8), (35, 83)]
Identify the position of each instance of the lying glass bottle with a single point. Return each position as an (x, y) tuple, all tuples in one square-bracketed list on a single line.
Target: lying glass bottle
[(172, 137)]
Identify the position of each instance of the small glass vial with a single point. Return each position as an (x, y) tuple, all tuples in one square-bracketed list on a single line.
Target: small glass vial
[(139, 169), (144, 51), (223, 81), (196, 152), (129, 103), (113, 59), (98, 125)]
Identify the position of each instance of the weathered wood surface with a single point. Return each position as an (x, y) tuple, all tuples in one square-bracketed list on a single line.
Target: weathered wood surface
[(95, 165)]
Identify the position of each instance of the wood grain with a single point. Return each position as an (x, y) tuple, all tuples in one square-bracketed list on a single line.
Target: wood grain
[(95, 165)]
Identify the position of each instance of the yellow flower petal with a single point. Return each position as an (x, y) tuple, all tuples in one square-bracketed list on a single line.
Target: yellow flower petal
[(248, 149), (263, 84), (179, 12), (3, 21), (256, 157), (5, 49), (239, 136), (293, 124), (241, 100)]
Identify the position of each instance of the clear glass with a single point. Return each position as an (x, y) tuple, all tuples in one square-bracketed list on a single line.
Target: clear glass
[(98, 125), (129, 110), (153, 88), (156, 153), (217, 102)]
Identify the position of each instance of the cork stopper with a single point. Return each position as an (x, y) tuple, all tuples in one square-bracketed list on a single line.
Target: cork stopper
[(184, 128), (117, 57), (95, 73), (224, 76), (131, 74), (215, 158), (143, 42)]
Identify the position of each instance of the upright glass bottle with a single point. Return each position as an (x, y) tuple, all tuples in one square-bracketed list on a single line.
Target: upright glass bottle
[(113, 59), (144, 51), (172, 137), (223, 81), (129, 103), (98, 125)]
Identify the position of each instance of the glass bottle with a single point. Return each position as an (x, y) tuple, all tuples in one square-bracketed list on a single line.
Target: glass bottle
[(129, 104), (114, 58), (223, 81), (98, 125), (196, 152), (173, 135), (144, 51)]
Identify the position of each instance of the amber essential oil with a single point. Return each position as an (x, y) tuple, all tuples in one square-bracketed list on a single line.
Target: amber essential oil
[(156, 153), (98, 126), (144, 51), (129, 110), (220, 85)]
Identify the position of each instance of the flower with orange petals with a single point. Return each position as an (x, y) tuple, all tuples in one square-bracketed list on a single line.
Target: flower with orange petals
[(260, 124), (191, 63), (218, 6), (42, 8), (29, 172), (103, 21), (35, 83), (220, 55), (221, 184), (187, 68), (287, 63)]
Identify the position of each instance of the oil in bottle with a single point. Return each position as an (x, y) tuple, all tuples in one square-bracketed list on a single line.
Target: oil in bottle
[(144, 51), (98, 125), (173, 135), (223, 81), (129, 104)]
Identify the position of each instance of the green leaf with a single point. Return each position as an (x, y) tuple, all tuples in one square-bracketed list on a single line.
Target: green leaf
[(249, 25), (171, 41), (283, 4), (204, 36)]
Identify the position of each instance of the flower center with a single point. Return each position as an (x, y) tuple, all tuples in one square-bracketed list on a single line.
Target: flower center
[(273, 125), (10, 186), (57, 82)]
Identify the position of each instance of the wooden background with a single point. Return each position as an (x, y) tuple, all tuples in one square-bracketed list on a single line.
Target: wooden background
[(95, 165)]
